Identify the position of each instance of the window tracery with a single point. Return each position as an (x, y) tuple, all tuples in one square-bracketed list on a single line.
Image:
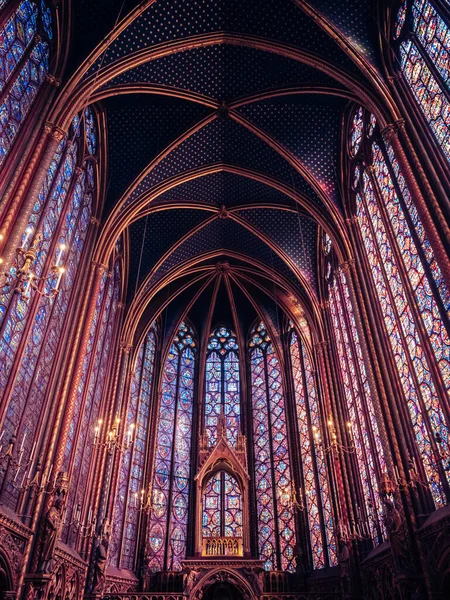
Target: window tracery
[(60, 222), (413, 299), (222, 385), (363, 428), (222, 507), (167, 532), (24, 62), (132, 471), (423, 48), (316, 487), (273, 478)]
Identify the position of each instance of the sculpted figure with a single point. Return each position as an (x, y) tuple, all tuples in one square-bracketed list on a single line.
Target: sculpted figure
[(51, 526), (101, 557), (394, 526)]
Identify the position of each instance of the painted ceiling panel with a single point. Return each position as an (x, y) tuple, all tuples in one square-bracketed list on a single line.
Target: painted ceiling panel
[(154, 235), (309, 127), (278, 20), (139, 128), (294, 234), (224, 141), (226, 189), (225, 72), (223, 235)]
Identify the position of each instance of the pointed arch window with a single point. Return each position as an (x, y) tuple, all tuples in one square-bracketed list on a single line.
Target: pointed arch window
[(222, 507), (168, 522), (273, 478), (313, 462), (24, 61), (362, 423), (60, 223), (79, 457), (423, 40), (413, 299), (133, 467), (222, 393)]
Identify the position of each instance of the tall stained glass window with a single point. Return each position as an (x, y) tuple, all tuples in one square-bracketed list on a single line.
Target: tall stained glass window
[(24, 60), (363, 429), (58, 229), (423, 39), (80, 453), (313, 462), (168, 521), (273, 478), (132, 471), (414, 301), (222, 507), (222, 385)]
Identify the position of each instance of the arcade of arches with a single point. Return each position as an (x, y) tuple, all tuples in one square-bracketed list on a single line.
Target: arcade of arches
[(224, 299)]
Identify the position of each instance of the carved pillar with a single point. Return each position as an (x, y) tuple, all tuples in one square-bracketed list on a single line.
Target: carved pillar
[(391, 133), (16, 219)]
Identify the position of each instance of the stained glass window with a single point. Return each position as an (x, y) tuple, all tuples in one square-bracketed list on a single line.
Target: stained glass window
[(59, 222), (129, 498), (413, 299), (222, 385), (222, 507), (424, 63), (363, 429), (314, 469), (171, 477), (24, 59), (80, 450), (273, 479)]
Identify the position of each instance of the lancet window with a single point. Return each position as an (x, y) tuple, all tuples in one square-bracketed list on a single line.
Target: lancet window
[(273, 477), (363, 429), (423, 41), (131, 495), (222, 385), (313, 461), (222, 510), (25, 40), (413, 300), (168, 522), (81, 450), (31, 323)]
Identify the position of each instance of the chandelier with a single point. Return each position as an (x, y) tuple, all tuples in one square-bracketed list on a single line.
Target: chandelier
[(21, 277)]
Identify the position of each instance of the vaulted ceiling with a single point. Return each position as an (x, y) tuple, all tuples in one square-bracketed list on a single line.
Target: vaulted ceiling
[(224, 136)]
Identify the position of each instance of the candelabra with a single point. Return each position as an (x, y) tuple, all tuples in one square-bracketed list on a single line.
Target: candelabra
[(112, 440), (21, 278), (334, 444), (85, 528), (141, 501)]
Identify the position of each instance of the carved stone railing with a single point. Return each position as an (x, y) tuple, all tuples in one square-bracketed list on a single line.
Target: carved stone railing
[(143, 596), (222, 546)]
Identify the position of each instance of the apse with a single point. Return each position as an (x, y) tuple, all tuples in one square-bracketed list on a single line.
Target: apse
[(224, 299)]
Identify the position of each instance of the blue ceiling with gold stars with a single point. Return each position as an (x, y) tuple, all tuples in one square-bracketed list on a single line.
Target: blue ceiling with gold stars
[(224, 125)]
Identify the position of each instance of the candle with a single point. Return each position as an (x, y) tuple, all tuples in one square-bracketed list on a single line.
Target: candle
[(23, 479), (61, 270), (2, 434), (23, 441), (89, 514), (28, 286), (49, 473), (28, 231), (61, 249)]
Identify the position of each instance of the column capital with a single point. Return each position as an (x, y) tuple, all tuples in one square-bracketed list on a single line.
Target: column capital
[(95, 221), (392, 129), (58, 134), (99, 266), (346, 265), (126, 347), (52, 80), (321, 345)]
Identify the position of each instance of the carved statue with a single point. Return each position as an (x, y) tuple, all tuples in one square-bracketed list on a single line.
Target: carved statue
[(100, 562), (397, 535), (298, 557), (344, 565), (51, 525), (190, 578), (256, 578)]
